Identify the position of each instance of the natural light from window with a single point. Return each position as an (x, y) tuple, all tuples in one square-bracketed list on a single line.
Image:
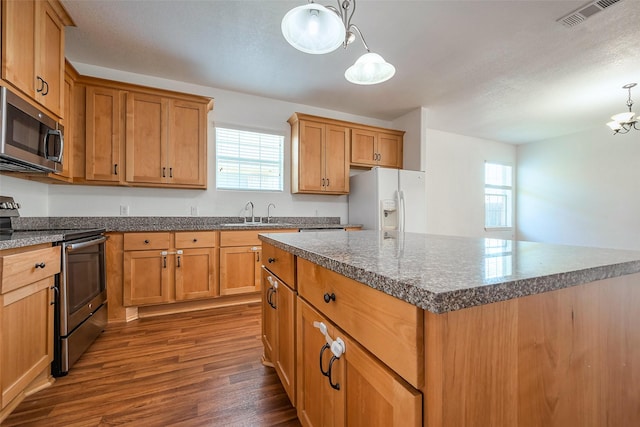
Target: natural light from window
[(498, 196), (247, 160)]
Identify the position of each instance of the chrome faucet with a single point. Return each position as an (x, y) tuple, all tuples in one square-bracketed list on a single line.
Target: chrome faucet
[(250, 203), (269, 212)]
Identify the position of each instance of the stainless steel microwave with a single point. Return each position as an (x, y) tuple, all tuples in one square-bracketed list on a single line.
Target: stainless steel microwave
[(30, 140)]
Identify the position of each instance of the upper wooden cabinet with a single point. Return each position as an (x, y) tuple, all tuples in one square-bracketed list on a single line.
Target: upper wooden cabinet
[(375, 148), (104, 136), (319, 156), (138, 136), (322, 151), (33, 50), (165, 141)]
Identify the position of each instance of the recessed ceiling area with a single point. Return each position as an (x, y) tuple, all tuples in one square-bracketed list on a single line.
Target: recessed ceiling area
[(501, 70)]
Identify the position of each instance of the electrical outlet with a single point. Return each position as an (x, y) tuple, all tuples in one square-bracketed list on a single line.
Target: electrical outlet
[(194, 211), (124, 210)]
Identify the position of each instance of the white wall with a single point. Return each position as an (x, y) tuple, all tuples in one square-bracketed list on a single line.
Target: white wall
[(32, 196), (414, 138), (455, 182), (231, 108), (581, 189)]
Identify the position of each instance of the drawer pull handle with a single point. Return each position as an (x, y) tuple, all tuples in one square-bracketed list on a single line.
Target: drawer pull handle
[(195, 240), (329, 297), (146, 241), (271, 260), (40, 265)]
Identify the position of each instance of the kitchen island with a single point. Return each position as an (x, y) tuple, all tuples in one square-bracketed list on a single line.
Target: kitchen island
[(491, 332)]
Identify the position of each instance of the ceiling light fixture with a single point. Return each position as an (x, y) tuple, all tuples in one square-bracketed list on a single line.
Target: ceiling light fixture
[(624, 122), (317, 29)]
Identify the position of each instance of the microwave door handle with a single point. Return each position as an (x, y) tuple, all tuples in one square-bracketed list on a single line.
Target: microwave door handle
[(58, 133), (75, 246)]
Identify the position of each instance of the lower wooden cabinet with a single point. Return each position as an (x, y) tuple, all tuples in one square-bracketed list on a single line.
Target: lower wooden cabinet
[(240, 269), (177, 267), (354, 389), (241, 260), (26, 321)]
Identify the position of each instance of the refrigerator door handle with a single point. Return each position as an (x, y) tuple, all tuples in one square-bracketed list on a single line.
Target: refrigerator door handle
[(402, 208)]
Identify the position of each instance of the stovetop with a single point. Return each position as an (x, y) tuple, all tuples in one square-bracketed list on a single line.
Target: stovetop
[(67, 234)]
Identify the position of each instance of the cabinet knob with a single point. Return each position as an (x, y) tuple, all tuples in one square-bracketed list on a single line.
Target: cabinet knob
[(195, 240), (271, 260), (329, 297), (40, 265), (146, 241)]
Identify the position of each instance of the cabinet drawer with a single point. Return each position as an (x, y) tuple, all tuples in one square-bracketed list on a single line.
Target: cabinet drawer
[(196, 239), (280, 263), (247, 237), (143, 241), (21, 269), (389, 328), (240, 238)]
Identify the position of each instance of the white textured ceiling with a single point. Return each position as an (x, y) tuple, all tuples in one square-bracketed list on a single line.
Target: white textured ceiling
[(501, 70)]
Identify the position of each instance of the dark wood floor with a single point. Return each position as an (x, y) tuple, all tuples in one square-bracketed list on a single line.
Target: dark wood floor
[(195, 369)]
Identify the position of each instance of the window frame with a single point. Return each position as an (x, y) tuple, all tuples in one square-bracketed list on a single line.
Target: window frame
[(240, 128), (511, 188)]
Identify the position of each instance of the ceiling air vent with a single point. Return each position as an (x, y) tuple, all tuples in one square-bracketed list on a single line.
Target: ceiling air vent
[(584, 12)]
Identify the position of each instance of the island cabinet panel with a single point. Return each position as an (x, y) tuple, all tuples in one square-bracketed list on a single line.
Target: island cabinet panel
[(569, 357), (278, 329), (280, 263), (354, 389), (388, 327)]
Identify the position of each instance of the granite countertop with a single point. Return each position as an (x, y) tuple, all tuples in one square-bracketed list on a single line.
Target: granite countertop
[(445, 273), (140, 224)]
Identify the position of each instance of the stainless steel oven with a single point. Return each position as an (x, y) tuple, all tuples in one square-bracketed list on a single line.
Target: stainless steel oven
[(81, 312)]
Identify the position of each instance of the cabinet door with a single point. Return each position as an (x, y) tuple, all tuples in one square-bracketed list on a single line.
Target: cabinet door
[(187, 149), (389, 150), (311, 147), (269, 319), (239, 270), (103, 134), (146, 277), (363, 147), (146, 140), (375, 395), (19, 44), (285, 363), (27, 336), (196, 273), (67, 157), (50, 59), (336, 159), (318, 403)]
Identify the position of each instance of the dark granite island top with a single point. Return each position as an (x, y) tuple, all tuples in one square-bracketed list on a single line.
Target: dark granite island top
[(443, 273)]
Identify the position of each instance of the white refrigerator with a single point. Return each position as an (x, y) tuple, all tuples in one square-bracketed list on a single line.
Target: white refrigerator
[(389, 199)]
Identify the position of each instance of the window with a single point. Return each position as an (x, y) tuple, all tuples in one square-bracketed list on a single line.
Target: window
[(498, 195), (249, 160)]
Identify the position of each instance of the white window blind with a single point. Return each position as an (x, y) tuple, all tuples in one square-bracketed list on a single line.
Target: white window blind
[(498, 196), (249, 160)]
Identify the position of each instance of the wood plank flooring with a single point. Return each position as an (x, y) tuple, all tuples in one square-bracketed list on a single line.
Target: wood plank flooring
[(194, 369)]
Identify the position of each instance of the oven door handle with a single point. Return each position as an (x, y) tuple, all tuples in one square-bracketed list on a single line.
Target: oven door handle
[(82, 245)]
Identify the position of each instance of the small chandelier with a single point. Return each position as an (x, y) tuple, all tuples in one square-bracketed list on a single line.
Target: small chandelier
[(317, 29), (624, 122)]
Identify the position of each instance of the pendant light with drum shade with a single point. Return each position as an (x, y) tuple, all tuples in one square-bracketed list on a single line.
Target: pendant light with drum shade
[(317, 29)]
